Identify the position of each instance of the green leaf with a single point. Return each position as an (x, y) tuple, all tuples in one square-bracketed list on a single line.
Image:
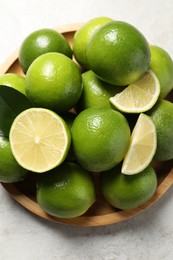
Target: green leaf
[(12, 103)]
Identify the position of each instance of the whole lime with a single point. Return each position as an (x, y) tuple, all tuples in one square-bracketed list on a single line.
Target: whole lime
[(66, 192), (162, 116), (14, 81), (128, 191), (40, 42), (100, 138), (83, 35), (54, 81), (162, 65), (10, 170), (118, 53), (96, 93)]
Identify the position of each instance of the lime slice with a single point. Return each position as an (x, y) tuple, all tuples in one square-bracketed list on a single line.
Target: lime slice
[(142, 146), (139, 96), (39, 139)]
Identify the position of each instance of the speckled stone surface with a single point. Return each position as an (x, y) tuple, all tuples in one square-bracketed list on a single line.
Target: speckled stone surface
[(24, 236)]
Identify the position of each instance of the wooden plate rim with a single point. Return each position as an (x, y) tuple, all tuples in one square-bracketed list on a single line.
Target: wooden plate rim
[(68, 28), (100, 220)]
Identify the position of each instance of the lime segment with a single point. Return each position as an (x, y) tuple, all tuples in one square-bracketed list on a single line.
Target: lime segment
[(139, 96), (142, 147)]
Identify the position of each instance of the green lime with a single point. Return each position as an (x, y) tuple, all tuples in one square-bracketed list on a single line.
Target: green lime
[(66, 192), (162, 116), (100, 138), (162, 65), (83, 35), (128, 191), (10, 170), (54, 81), (14, 81), (96, 93), (40, 42), (118, 53)]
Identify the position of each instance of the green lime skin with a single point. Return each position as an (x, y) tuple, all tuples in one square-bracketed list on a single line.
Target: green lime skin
[(162, 116), (162, 65), (14, 81), (96, 93), (118, 53), (10, 170), (128, 191), (66, 192), (54, 81), (82, 37), (40, 42), (100, 138)]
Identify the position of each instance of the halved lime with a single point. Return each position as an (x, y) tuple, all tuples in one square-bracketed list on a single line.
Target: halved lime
[(39, 139)]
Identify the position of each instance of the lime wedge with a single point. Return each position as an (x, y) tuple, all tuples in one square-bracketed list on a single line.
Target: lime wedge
[(39, 139), (139, 96), (142, 146)]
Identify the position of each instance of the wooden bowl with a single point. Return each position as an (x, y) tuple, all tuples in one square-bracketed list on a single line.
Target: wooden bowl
[(101, 213)]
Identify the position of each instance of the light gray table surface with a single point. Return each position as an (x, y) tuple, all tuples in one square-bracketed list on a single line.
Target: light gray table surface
[(24, 236)]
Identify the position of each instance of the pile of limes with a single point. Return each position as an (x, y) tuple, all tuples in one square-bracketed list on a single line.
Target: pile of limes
[(97, 106)]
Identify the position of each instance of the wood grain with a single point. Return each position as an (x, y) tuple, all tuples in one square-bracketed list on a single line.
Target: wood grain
[(101, 213)]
